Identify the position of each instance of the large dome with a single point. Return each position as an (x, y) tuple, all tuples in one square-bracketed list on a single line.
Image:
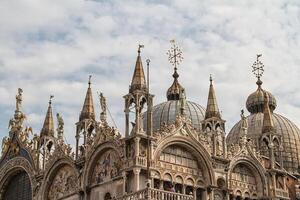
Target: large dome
[(284, 127), (166, 112)]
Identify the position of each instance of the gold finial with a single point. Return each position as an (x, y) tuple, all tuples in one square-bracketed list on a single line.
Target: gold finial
[(258, 69), (50, 99), (175, 54), (139, 49)]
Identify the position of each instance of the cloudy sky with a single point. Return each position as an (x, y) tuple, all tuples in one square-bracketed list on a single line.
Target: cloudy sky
[(52, 46)]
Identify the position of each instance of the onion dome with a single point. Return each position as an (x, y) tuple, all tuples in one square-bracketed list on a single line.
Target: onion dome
[(176, 89), (165, 113), (255, 101)]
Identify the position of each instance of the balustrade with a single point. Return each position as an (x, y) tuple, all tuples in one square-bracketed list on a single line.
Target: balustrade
[(155, 194)]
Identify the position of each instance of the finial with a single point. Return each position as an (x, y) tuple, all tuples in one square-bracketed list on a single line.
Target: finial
[(90, 78), (258, 69), (50, 99), (139, 49), (210, 79), (148, 61), (175, 57)]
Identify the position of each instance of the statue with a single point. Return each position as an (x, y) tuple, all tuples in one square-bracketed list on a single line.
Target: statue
[(23, 136), (60, 129), (182, 101), (19, 99), (103, 106)]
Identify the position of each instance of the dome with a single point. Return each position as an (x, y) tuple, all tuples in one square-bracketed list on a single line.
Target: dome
[(166, 112), (284, 127), (255, 101)]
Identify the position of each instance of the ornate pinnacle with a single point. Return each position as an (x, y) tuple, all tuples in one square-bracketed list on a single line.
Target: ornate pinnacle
[(258, 69)]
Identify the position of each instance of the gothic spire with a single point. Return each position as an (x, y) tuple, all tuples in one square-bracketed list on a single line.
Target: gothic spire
[(268, 124), (48, 127), (87, 111), (212, 109), (138, 80)]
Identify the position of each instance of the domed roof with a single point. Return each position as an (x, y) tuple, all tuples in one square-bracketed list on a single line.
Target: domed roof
[(166, 112), (284, 127), (255, 101)]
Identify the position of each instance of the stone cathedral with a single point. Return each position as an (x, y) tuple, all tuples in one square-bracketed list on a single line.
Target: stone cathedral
[(176, 150)]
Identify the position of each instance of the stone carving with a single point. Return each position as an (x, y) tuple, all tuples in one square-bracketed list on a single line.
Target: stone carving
[(64, 183), (24, 135), (5, 144), (106, 168), (60, 128), (103, 105)]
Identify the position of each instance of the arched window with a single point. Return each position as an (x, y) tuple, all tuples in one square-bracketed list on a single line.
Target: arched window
[(178, 155), (244, 179), (18, 187)]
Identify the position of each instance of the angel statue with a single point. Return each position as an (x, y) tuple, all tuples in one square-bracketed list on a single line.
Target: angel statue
[(103, 106), (19, 99), (60, 129)]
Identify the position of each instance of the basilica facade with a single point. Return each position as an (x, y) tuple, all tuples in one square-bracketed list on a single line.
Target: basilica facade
[(176, 150)]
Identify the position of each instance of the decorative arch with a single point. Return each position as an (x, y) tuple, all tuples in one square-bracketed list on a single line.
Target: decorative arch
[(256, 171), (195, 148), (102, 151), (13, 167), (61, 180)]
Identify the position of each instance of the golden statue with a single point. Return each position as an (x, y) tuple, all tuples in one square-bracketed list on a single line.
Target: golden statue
[(19, 99)]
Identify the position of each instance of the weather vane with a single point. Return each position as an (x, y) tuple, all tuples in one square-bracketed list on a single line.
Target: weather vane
[(258, 67), (175, 54), (140, 46)]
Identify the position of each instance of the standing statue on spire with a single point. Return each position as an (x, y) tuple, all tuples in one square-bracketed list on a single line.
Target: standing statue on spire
[(60, 128), (103, 105), (19, 99)]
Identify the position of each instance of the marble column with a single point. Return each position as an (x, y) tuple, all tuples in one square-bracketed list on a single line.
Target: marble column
[(136, 172), (137, 146), (124, 174)]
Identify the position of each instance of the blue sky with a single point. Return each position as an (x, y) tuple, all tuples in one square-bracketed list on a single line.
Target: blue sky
[(51, 47)]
